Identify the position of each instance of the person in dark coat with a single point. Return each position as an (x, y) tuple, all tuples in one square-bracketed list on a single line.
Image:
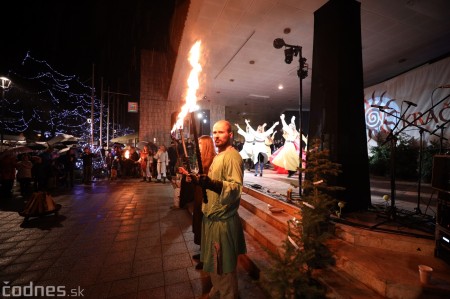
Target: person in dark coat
[(173, 158), (87, 157)]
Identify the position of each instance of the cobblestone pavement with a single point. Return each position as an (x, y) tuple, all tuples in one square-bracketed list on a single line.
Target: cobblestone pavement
[(116, 239)]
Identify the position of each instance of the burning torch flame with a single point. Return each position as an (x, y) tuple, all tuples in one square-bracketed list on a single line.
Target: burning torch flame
[(193, 84), (127, 154)]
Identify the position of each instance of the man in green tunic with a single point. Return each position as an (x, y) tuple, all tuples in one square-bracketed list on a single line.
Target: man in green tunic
[(222, 234)]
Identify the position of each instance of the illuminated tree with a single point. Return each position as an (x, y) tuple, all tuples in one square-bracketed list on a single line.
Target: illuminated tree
[(304, 248), (45, 101)]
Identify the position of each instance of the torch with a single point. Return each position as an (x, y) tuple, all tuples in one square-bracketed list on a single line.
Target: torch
[(185, 156), (190, 105), (199, 156)]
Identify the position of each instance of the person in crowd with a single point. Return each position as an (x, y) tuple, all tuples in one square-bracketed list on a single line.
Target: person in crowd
[(222, 233), (23, 175), (162, 160), (173, 158), (87, 157), (190, 149), (247, 149), (114, 168), (260, 156), (207, 152), (135, 169), (69, 167), (144, 163), (35, 171), (108, 163), (45, 169), (7, 175), (287, 156)]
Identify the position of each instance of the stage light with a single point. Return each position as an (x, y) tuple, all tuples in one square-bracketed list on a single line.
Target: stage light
[(288, 55)]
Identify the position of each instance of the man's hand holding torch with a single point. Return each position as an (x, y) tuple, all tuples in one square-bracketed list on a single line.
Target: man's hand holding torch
[(202, 180)]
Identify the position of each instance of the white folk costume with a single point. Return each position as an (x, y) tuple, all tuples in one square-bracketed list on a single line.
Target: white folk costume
[(162, 158), (287, 156), (260, 141), (249, 140)]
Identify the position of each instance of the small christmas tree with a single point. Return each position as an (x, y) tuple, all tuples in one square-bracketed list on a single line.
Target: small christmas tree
[(304, 250)]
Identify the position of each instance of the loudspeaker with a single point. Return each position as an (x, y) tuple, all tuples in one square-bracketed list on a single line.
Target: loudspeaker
[(440, 179), (337, 98)]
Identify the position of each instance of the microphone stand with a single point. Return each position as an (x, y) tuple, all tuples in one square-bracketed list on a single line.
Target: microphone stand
[(391, 137), (419, 182), (392, 214), (441, 135)]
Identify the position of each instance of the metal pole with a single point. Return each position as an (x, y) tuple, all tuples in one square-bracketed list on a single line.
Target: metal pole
[(1, 116), (393, 146), (300, 107), (92, 107), (101, 114), (107, 123), (5, 83), (419, 182)]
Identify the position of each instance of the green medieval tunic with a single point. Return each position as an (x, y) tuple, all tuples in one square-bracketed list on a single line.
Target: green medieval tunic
[(222, 234)]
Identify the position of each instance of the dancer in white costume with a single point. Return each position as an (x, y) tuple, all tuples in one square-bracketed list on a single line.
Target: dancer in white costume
[(260, 156), (287, 156), (249, 140)]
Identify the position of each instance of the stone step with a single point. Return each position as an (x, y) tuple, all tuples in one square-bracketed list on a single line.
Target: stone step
[(260, 209), (343, 286), (364, 236), (391, 274), (265, 234), (268, 198)]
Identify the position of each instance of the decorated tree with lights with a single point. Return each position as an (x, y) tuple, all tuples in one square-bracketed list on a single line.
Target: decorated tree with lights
[(48, 102), (304, 248)]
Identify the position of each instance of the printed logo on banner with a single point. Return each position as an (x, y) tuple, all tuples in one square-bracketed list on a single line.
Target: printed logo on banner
[(380, 120), (383, 112)]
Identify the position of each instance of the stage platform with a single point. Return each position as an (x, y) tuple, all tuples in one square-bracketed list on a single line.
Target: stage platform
[(377, 255)]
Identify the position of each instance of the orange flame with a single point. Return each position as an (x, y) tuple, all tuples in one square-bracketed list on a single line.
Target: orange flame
[(127, 154), (193, 85)]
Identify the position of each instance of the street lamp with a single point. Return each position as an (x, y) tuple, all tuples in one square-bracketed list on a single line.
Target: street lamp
[(5, 84), (289, 52)]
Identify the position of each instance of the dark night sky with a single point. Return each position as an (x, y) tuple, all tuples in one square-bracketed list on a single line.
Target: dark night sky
[(74, 35)]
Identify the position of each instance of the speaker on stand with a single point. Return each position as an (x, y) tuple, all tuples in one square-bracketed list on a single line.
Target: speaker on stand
[(441, 183)]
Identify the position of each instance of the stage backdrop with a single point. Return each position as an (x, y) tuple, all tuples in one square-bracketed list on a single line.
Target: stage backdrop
[(427, 86)]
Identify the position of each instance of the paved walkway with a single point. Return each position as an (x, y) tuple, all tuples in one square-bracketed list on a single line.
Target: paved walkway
[(112, 240)]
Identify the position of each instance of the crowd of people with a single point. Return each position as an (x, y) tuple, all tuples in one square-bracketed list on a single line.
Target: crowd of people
[(36, 171), (50, 169)]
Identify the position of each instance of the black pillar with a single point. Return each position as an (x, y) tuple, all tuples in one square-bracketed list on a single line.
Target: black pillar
[(337, 97)]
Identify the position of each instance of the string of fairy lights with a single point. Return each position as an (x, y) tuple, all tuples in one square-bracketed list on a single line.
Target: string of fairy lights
[(45, 102)]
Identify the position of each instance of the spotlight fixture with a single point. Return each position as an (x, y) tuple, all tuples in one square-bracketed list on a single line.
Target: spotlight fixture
[(288, 55), (290, 50)]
